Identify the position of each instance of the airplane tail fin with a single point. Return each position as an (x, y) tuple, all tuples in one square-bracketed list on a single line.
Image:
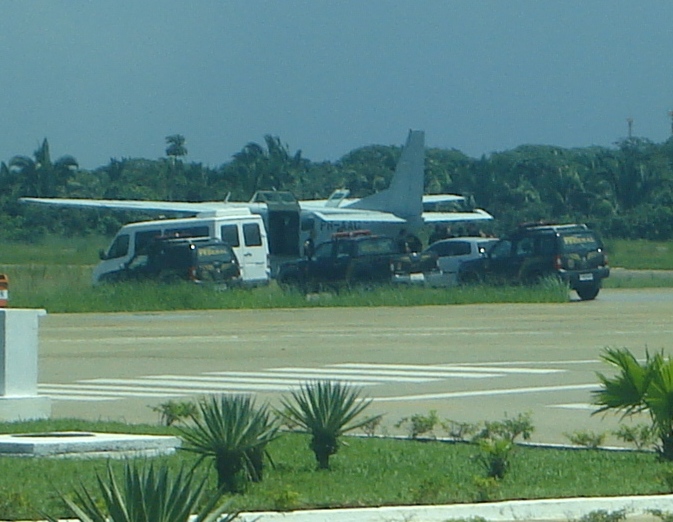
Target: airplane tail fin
[(404, 196)]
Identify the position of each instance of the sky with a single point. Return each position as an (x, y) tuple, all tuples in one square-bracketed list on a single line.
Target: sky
[(103, 80)]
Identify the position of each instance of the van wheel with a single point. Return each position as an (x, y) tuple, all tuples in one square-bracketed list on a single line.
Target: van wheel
[(587, 292)]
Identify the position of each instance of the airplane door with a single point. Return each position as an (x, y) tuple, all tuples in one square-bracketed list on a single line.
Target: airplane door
[(283, 229)]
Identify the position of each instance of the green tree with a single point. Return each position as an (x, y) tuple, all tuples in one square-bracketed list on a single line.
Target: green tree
[(40, 176), (640, 388), (176, 147), (264, 169)]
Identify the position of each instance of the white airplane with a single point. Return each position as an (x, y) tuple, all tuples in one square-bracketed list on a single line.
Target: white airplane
[(290, 223)]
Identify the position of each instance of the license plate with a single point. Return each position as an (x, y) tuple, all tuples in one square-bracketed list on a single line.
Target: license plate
[(586, 277), (417, 277)]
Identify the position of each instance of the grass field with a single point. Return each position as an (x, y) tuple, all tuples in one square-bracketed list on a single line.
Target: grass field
[(366, 472), (55, 274)]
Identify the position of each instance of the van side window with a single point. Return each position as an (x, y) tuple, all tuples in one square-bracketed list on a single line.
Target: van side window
[(119, 248), (229, 234), (201, 231), (143, 239), (251, 234)]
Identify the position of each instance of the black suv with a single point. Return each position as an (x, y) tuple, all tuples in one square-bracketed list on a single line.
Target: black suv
[(182, 259), (574, 253), (352, 258)]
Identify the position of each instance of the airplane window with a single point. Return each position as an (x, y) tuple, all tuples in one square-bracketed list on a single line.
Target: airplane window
[(119, 248), (251, 234), (229, 235)]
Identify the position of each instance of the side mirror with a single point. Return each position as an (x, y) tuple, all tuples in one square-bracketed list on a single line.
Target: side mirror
[(102, 255)]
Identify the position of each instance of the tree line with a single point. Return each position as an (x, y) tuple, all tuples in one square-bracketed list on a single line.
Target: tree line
[(625, 191)]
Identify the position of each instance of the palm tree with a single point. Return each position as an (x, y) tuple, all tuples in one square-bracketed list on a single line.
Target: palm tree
[(176, 146), (638, 388), (325, 410), (230, 430), (144, 495), (41, 176)]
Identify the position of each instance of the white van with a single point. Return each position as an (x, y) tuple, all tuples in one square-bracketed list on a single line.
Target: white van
[(241, 229)]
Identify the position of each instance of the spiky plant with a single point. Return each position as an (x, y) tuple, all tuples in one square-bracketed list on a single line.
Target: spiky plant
[(326, 410), (636, 388), (146, 494), (230, 430)]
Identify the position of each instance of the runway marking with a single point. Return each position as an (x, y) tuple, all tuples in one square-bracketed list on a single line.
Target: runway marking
[(575, 406), (285, 379), (481, 393), (451, 369)]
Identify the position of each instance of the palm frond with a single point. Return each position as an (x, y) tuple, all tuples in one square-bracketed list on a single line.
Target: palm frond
[(147, 495)]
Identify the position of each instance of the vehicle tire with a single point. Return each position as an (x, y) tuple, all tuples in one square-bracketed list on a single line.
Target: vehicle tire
[(587, 292), (289, 282), (533, 278), (469, 278)]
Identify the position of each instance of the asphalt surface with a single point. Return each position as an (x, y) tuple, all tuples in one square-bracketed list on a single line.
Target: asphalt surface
[(469, 363)]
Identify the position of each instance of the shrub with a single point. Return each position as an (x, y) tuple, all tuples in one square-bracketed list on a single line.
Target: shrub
[(646, 387), (144, 495), (326, 410), (171, 412), (419, 424), (232, 432), (586, 438), (641, 435)]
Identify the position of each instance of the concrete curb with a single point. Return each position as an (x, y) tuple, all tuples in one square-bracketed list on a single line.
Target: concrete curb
[(513, 510)]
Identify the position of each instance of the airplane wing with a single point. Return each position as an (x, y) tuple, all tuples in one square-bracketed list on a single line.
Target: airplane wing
[(365, 216), (450, 217), (179, 207), (441, 198)]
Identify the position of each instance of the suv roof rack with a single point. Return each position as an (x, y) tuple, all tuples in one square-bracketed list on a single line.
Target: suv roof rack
[(531, 224), (352, 233)]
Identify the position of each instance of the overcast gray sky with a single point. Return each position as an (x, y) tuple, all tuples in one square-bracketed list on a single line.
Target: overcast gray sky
[(112, 79)]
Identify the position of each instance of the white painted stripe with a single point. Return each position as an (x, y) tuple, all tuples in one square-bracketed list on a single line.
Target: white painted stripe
[(323, 373), (576, 406), (57, 397), (187, 385), (115, 391), (448, 369), (481, 393), (227, 378)]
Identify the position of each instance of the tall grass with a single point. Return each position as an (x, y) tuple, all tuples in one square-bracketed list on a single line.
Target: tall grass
[(640, 254), (53, 250), (67, 289), (55, 274)]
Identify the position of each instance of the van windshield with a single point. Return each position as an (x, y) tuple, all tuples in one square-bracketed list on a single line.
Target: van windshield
[(119, 247)]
